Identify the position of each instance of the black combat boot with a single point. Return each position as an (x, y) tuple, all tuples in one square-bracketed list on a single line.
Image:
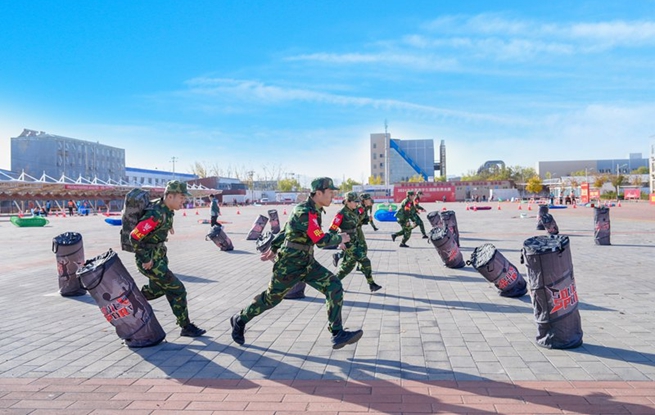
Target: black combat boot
[(345, 337), (238, 329)]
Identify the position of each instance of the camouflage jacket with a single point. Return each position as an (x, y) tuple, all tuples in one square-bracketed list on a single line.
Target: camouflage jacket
[(347, 221), (152, 230), (418, 207), (406, 209), (303, 229), (364, 219)]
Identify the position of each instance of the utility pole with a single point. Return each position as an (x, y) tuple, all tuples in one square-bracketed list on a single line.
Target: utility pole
[(173, 160), (386, 155)]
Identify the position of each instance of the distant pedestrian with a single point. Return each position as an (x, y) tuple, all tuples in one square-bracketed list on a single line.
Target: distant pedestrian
[(293, 250), (214, 210), (71, 206)]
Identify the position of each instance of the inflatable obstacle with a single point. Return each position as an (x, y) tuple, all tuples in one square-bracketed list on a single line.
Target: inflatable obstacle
[(29, 221), (385, 215), (114, 221)]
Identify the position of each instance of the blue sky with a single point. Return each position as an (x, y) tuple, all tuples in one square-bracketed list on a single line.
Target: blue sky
[(298, 86)]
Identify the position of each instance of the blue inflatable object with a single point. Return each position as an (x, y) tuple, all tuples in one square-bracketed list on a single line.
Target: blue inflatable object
[(385, 216), (557, 206), (114, 221)]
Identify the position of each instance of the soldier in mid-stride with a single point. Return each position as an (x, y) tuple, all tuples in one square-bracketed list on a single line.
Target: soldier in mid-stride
[(404, 215), (416, 218), (350, 220), (293, 250), (148, 239)]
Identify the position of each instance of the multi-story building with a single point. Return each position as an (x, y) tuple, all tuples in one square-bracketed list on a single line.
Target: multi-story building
[(154, 178), (396, 160), (37, 152), (556, 169)]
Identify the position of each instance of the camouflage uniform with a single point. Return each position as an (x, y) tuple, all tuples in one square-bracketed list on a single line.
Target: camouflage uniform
[(148, 238), (404, 215), (369, 210), (416, 218), (351, 221), (294, 248)]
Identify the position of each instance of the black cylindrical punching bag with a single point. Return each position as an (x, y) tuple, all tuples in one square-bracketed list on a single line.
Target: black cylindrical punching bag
[(257, 228), (70, 257), (120, 301), (493, 266), (446, 247), (450, 220), (435, 219), (602, 225), (274, 220), (549, 224), (552, 290), (219, 237), (543, 209)]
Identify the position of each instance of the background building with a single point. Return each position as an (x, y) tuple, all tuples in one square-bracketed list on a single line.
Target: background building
[(396, 160), (154, 178), (595, 167), (37, 152)]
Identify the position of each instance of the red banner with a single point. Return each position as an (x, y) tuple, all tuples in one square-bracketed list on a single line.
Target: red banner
[(631, 194), (432, 191)]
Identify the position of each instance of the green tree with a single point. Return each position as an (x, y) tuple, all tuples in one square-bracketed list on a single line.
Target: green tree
[(288, 185), (535, 185), (417, 178), (347, 185), (375, 180), (599, 180), (617, 181), (641, 170)]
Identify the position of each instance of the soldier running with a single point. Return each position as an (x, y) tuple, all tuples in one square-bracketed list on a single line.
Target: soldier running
[(415, 217), (293, 251), (404, 215), (148, 239), (349, 220)]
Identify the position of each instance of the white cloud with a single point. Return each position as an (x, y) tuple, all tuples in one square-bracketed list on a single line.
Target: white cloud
[(257, 91)]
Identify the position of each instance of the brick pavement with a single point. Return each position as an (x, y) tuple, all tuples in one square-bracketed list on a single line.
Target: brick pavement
[(436, 340)]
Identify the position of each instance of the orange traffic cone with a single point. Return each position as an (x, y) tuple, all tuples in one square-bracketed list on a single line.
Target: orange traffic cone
[(238, 213), (529, 206), (184, 213), (520, 206), (285, 211), (498, 205), (197, 212), (575, 206), (475, 208), (619, 204), (443, 208), (467, 206), (57, 213), (20, 213)]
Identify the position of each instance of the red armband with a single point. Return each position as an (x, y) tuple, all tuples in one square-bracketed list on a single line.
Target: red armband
[(314, 230), (336, 223), (143, 228)]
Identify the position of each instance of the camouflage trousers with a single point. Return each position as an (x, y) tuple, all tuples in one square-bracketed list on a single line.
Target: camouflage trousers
[(405, 229), (417, 220), (356, 254), (286, 274), (164, 282)]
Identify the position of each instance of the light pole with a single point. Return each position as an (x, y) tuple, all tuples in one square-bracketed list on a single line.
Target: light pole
[(618, 169), (586, 174), (173, 160), (252, 186)]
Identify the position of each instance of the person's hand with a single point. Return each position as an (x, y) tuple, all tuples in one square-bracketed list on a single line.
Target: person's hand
[(147, 265), (268, 255), (344, 237), (172, 231), (342, 246)]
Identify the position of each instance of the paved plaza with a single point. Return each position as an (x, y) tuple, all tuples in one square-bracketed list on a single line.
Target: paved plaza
[(436, 340)]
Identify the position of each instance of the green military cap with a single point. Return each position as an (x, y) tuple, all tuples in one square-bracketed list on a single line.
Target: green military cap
[(410, 193), (350, 197), (323, 183), (365, 196), (176, 186)]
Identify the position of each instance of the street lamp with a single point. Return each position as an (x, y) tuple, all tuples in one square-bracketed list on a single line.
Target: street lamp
[(618, 169), (173, 160), (586, 174)]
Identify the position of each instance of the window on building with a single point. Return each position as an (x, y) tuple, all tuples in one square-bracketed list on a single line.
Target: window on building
[(381, 165), (375, 156), (375, 145)]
